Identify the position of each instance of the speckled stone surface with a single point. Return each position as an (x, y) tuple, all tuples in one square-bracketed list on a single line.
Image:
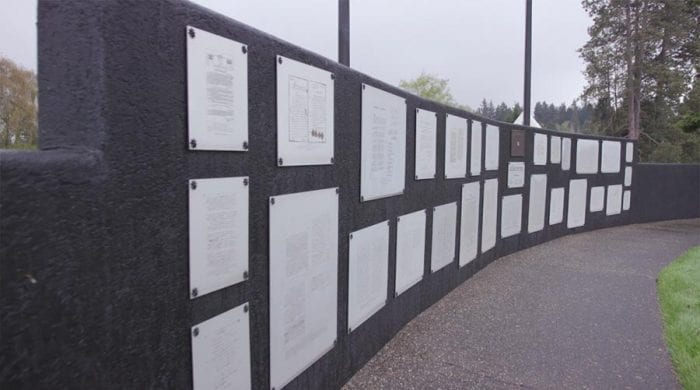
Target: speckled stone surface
[(577, 312)]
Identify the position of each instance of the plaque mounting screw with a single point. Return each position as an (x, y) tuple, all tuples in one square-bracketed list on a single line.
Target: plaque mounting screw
[(245, 275), (398, 219), (332, 160), (193, 185), (362, 198), (396, 294), (351, 236), (245, 181), (337, 190), (194, 292), (245, 308), (193, 143), (279, 59), (416, 177), (244, 49), (195, 332), (245, 145), (191, 33), (280, 162), (272, 200), (332, 76), (349, 329), (363, 87)]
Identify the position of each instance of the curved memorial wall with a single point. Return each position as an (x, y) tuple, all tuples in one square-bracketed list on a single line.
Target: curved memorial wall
[(215, 208)]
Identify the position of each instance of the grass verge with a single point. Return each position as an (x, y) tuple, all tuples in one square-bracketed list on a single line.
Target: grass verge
[(679, 297)]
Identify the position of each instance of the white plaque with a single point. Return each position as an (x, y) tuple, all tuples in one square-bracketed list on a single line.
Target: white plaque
[(516, 174), (511, 215), (490, 215), (491, 157), (626, 200), (629, 152), (586, 156), (597, 202), (444, 235), (565, 154), (469, 223), (628, 176), (475, 153), (614, 202), (538, 202), (540, 149), (368, 272), (426, 144), (576, 216), (218, 225), (611, 157), (303, 281), (217, 92), (556, 206), (410, 250), (455, 147), (221, 351), (555, 150), (304, 114), (383, 165)]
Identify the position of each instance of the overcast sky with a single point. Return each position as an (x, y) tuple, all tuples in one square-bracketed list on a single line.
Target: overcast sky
[(477, 44)]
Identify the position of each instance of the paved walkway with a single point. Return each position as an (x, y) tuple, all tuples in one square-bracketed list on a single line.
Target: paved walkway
[(576, 312)]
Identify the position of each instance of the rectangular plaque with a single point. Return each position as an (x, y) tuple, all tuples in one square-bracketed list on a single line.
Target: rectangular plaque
[(555, 149), (303, 281), (444, 235), (565, 154), (221, 351), (586, 156), (597, 202), (628, 176), (305, 124), (218, 230), (517, 143), (368, 272), (469, 223), (540, 149), (578, 190), (426, 144), (491, 156), (490, 215), (516, 174), (217, 92), (611, 157), (410, 250), (475, 152), (556, 206), (614, 201), (629, 152), (455, 147), (626, 200), (511, 215), (538, 202), (383, 164)]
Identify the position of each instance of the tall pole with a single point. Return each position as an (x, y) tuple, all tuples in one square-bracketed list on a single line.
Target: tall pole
[(528, 61), (344, 32)]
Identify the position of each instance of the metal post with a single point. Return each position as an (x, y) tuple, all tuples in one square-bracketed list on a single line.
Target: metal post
[(344, 32), (528, 61)]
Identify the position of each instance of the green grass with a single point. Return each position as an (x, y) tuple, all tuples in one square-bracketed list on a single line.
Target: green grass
[(679, 297)]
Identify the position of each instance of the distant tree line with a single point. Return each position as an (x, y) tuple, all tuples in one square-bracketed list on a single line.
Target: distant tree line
[(18, 106)]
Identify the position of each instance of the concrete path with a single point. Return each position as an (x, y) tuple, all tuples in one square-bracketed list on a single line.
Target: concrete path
[(576, 312)]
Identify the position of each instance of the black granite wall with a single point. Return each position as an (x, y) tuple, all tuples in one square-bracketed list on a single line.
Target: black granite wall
[(94, 226)]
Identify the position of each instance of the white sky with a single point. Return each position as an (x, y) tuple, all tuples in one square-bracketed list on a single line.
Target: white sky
[(477, 44)]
